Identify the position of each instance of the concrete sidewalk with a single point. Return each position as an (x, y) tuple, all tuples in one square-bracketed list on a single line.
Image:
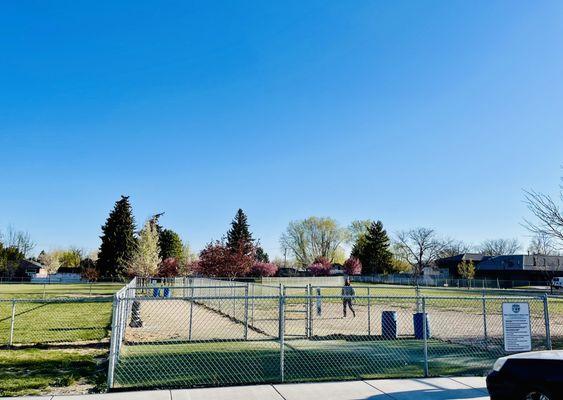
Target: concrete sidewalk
[(466, 388)]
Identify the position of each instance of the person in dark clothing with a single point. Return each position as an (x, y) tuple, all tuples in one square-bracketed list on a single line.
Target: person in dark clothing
[(347, 296)]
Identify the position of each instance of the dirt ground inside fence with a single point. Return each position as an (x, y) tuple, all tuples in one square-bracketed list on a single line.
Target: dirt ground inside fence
[(167, 320)]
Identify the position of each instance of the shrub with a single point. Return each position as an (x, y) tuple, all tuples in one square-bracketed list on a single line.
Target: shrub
[(318, 269), (322, 260), (260, 269), (169, 268), (91, 274), (352, 266)]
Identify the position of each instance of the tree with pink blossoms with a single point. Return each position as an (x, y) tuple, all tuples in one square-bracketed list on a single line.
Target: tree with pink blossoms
[(261, 269), (216, 259), (318, 269), (169, 268), (352, 266)]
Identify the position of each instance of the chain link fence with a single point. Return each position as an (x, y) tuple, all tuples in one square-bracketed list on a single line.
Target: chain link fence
[(45, 321), (186, 332), (441, 281)]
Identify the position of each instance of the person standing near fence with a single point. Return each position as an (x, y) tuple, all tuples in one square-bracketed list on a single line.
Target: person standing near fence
[(348, 294)]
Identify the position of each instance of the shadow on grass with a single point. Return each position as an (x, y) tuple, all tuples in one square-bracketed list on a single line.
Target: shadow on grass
[(239, 363), (27, 371)]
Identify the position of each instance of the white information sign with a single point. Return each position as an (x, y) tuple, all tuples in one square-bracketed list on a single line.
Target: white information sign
[(516, 326)]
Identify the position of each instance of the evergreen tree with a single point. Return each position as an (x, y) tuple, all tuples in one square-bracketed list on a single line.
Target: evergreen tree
[(372, 249), (261, 255), (118, 240), (171, 245), (239, 238)]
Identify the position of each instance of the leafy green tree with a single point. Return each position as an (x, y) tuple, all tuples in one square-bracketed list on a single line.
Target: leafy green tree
[(70, 258), (118, 240), (372, 249), (146, 258), (261, 255), (10, 258), (171, 245), (239, 238)]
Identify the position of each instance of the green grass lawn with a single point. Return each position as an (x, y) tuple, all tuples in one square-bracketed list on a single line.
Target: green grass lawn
[(223, 363), (42, 369), (37, 371)]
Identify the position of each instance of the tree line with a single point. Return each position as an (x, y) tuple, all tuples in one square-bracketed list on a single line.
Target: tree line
[(314, 244)]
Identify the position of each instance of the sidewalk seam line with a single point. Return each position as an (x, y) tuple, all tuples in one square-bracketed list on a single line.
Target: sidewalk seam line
[(376, 388), (278, 392), (469, 386)]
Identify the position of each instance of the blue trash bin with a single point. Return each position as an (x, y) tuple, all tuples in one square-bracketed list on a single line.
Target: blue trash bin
[(418, 322), (166, 292), (155, 292), (389, 324)]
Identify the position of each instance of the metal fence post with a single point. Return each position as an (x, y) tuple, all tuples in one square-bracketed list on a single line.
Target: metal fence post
[(252, 304), (485, 319), (282, 332), (191, 310), (234, 301), (425, 336), (309, 311), (546, 319), (113, 343), (246, 312), (369, 313), (12, 322)]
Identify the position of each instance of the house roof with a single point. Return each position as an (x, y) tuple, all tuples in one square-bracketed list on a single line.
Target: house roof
[(30, 264), (475, 257)]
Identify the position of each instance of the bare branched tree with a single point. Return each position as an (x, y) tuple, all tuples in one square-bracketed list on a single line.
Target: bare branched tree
[(499, 247), (20, 240), (454, 248), (420, 247), (542, 244), (549, 215), (313, 237)]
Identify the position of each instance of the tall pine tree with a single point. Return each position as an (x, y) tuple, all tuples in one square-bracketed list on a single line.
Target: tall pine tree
[(372, 249), (261, 255), (171, 245), (118, 240), (239, 237)]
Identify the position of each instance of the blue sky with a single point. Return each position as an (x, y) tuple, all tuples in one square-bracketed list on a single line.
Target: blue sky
[(422, 113)]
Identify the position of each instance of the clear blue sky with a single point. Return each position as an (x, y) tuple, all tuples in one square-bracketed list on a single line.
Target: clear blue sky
[(419, 113)]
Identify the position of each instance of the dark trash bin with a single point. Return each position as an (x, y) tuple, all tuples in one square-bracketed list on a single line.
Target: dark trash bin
[(418, 322), (167, 292), (156, 292), (389, 324)]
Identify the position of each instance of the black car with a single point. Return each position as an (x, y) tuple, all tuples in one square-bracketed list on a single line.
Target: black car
[(537, 375)]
